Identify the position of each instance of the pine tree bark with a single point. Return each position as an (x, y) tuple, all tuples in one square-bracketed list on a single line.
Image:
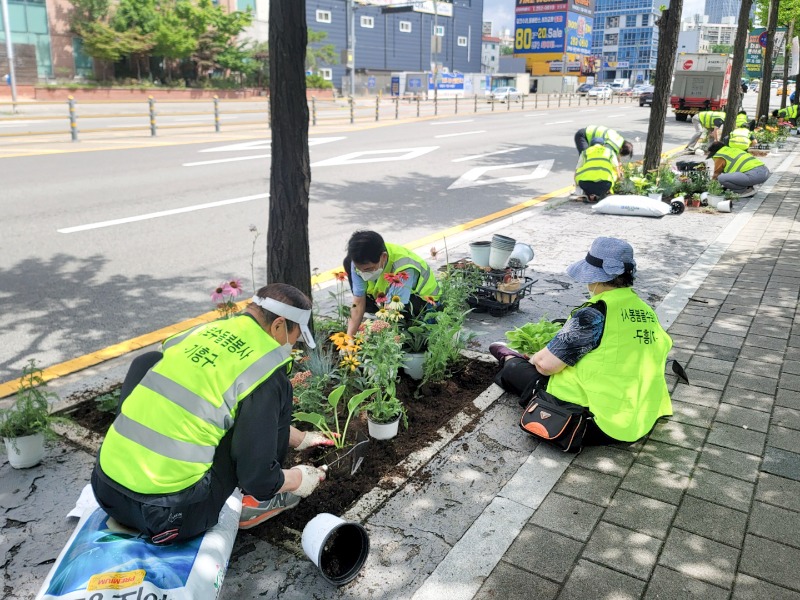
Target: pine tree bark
[(739, 53), (766, 71), (669, 25), (290, 175)]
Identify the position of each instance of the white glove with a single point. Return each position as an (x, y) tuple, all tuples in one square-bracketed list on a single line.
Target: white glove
[(311, 479), (314, 438)]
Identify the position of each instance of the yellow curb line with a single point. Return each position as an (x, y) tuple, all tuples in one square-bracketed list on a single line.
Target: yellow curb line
[(116, 350)]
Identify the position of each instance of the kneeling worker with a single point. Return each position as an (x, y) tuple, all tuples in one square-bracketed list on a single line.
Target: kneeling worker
[(742, 137), (737, 170), (586, 136), (707, 120), (209, 413), (376, 268), (598, 169), (789, 113)]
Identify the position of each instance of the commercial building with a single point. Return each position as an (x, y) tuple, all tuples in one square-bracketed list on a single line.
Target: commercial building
[(716, 10), (490, 54), (626, 39)]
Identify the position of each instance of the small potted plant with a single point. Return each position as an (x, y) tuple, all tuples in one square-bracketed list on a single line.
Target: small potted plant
[(415, 343), (716, 193), (27, 422), (383, 416), (694, 200)]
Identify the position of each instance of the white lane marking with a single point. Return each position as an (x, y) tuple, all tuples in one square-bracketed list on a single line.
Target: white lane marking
[(370, 156), (474, 156), (453, 122), (162, 213), (557, 122), (589, 110), (472, 178), (612, 116), (265, 144), (446, 135), (225, 160), (190, 119), (20, 122), (536, 114)]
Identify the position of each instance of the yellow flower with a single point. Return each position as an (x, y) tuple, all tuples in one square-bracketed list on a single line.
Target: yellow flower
[(394, 315), (349, 362), (341, 340), (382, 313)]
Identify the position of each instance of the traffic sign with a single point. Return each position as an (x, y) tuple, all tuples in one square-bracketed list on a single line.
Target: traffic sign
[(762, 40), (688, 65)]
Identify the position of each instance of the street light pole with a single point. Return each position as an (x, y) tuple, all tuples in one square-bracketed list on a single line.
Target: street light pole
[(351, 45), (10, 54), (436, 40)]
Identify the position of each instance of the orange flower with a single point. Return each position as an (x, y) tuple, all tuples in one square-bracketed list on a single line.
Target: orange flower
[(340, 275)]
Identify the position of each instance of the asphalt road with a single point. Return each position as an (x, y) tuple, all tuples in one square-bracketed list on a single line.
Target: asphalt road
[(99, 247)]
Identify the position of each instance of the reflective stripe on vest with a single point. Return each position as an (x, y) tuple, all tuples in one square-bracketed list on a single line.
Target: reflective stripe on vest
[(739, 139), (609, 136), (402, 259), (737, 161), (707, 117), (597, 166), (741, 120), (790, 112), (621, 381), (165, 437)]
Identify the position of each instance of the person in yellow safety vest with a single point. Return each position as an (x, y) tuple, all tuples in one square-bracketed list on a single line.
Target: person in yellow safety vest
[(586, 136), (742, 137), (789, 113), (741, 119), (209, 413), (737, 170), (598, 168), (609, 356), (379, 271), (707, 120)]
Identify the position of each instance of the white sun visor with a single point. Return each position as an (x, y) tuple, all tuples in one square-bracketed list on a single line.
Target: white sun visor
[(291, 313)]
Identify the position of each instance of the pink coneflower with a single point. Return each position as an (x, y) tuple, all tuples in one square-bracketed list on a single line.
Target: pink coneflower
[(234, 287), (218, 295), (380, 298)]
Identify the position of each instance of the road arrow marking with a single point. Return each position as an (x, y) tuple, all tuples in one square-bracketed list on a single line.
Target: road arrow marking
[(265, 145), (371, 156), (472, 178), (225, 160), (474, 156), (444, 135)]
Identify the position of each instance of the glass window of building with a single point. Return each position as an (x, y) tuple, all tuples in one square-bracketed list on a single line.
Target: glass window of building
[(462, 40), (368, 22), (323, 16), (645, 20), (612, 22), (405, 26), (28, 24), (244, 5), (611, 39), (630, 21), (438, 30), (326, 74)]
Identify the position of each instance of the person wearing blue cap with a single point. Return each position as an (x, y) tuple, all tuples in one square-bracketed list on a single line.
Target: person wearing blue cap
[(609, 356), (209, 413)]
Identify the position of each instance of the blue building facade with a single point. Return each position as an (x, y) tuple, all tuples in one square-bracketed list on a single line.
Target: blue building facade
[(388, 41), (626, 39)]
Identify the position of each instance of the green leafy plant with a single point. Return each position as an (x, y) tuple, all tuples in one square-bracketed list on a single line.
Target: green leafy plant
[(532, 337), (381, 354), (731, 195), (108, 402), (30, 413), (338, 434), (416, 332), (715, 188), (385, 409)]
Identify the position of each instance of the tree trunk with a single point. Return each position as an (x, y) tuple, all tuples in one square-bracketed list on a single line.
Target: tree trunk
[(669, 25), (290, 175), (766, 72), (739, 53), (787, 58)]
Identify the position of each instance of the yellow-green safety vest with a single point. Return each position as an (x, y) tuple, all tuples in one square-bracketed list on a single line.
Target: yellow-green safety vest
[(737, 161), (790, 112), (609, 136), (402, 259), (707, 117), (165, 437), (621, 381), (739, 138), (598, 165), (741, 120)]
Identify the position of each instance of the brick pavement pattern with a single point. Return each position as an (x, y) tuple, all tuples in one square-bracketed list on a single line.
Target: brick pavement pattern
[(708, 505)]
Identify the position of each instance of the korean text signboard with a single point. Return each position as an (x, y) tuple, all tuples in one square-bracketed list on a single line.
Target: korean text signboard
[(579, 33), (539, 32)]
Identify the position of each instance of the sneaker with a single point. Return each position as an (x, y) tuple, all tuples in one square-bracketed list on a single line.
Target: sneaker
[(501, 352), (747, 193), (255, 512)]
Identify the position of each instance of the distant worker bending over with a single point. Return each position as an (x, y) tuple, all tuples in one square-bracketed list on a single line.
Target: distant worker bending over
[(584, 138), (598, 169), (709, 121)]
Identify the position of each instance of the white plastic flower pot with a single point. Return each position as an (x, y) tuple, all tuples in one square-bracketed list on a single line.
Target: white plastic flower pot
[(655, 196), (724, 206), (25, 452), (479, 251), (521, 255), (414, 365), (713, 201), (338, 547), (383, 431)]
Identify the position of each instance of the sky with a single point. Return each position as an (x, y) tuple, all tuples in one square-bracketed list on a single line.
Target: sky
[(501, 12)]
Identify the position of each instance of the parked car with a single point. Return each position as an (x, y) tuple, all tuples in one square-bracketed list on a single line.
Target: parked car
[(584, 88), (622, 91), (505, 94), (646, 96), (639, 88), (600, 91)]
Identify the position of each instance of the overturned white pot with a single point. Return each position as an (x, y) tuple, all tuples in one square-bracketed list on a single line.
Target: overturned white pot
[(338, 547)]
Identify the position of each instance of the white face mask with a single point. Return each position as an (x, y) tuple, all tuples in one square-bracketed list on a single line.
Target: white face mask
[(592, 292), (287, 347), (370, 275)]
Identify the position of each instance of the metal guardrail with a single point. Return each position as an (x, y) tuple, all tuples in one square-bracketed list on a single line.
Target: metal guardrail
[(321, 111)]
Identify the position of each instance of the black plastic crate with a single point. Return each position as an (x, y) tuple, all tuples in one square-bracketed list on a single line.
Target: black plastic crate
[(484, 299)]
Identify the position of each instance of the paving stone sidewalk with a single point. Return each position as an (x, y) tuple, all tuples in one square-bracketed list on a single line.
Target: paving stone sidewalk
[(708, 506)]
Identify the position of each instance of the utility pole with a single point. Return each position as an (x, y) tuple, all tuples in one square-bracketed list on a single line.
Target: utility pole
[(10, 54), (766, 69), (351, 45), (436, 43)]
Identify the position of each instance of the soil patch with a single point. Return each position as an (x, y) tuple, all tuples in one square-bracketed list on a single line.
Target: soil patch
[(429, 407), (87, 412)]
